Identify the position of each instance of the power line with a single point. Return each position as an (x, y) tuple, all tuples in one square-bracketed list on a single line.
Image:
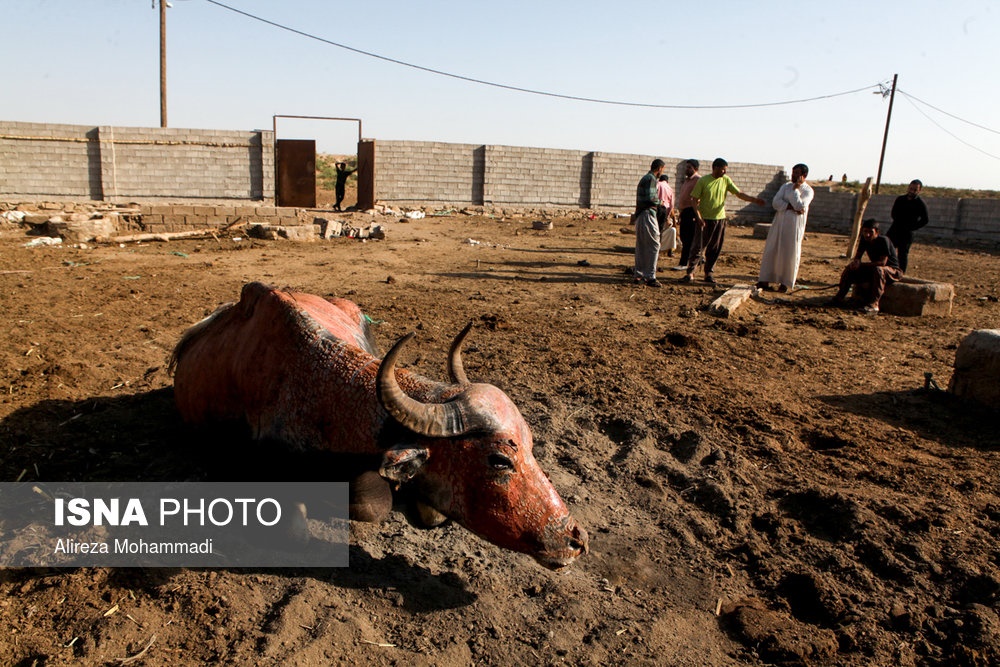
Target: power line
[(968, 122), (529, 90), (951, 134)]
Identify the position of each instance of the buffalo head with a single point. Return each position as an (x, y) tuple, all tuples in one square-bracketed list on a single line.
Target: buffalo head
[(470, 460)]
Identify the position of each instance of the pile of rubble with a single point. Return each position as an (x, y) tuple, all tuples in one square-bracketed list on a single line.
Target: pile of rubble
[(322, 228), (74, 227), (122, 223)]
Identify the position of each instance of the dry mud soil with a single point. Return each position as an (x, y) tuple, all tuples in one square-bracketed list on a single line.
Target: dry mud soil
[(773, 488)]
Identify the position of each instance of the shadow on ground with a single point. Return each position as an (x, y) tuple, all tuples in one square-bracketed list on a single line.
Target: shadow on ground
[(140, 437), (929, 413)]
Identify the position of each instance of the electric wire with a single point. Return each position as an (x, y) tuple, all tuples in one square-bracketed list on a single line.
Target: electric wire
[(530, 90), (951, 134), (968, 122)]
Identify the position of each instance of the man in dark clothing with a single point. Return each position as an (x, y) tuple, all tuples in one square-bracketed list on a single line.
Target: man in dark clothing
[(909, 213), (871, 277), (342, 174), (689, 219)]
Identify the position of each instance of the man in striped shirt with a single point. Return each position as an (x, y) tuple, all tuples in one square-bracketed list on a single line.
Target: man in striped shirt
[(689, 219)]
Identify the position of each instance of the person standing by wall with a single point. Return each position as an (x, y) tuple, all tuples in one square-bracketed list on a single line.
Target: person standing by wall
[(647, 231), (339, 187), (664, 213), (709, 199), (783, 249), (689, 219), (909, 213)]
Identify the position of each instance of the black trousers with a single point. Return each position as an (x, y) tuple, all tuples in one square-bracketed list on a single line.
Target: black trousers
[(902, 241), (689, 223)]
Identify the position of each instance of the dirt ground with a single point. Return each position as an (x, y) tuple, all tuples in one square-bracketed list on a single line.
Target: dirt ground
[(773, 488)]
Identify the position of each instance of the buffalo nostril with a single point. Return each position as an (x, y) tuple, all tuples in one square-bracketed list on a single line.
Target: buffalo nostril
[(578, 540)]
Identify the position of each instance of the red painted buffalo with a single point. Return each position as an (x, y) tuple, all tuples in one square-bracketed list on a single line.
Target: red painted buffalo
[(305, 370)]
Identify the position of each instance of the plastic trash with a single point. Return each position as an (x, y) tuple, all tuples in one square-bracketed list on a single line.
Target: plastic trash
[(414, 215)]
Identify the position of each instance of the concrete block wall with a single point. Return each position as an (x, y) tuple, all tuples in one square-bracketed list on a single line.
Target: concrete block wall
[(950, 218), (615, 177), (978, 219), (831, 211), (48, 161), (502, 175), (942, 211), (158, 218), (533, 176), (143, 163), (429, 171), (944, 217), (44, 159), (119, 163)]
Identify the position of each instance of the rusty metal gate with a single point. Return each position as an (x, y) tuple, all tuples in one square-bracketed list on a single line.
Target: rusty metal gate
[(366, 174), (295, 167), (295, 172)]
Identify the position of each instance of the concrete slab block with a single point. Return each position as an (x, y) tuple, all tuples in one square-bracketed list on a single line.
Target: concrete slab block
[(76, 230), (912, 297), (977, 368), (734, 297)]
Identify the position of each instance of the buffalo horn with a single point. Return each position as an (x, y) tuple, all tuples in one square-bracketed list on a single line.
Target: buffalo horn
[(456, 369), (435, 420)]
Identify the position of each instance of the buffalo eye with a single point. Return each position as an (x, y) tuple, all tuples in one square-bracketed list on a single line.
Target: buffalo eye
[(500, 462)]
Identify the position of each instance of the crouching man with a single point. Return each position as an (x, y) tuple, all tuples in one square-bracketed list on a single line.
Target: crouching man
[(871, 277)]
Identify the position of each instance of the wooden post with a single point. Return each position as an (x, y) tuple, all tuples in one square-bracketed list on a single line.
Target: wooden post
[(859, 213), (885, 137), (163, 63)]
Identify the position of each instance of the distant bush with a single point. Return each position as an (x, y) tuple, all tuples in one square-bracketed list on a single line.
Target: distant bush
[(326, 169)]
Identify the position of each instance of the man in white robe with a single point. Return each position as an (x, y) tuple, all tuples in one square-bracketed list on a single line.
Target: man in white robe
[(783, 249)]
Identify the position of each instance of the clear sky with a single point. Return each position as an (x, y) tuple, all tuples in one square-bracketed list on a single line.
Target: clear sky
[(96, 62)]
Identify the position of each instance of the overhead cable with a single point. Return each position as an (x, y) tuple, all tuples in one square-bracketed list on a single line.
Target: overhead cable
[(951, 134), (529, 90), (968, 122)]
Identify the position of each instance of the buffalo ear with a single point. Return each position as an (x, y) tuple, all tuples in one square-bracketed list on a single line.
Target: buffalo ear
[(402, 463), (370, 498)]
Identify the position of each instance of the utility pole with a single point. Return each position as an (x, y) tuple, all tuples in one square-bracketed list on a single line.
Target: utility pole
[(163, 63), (885, 137)]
